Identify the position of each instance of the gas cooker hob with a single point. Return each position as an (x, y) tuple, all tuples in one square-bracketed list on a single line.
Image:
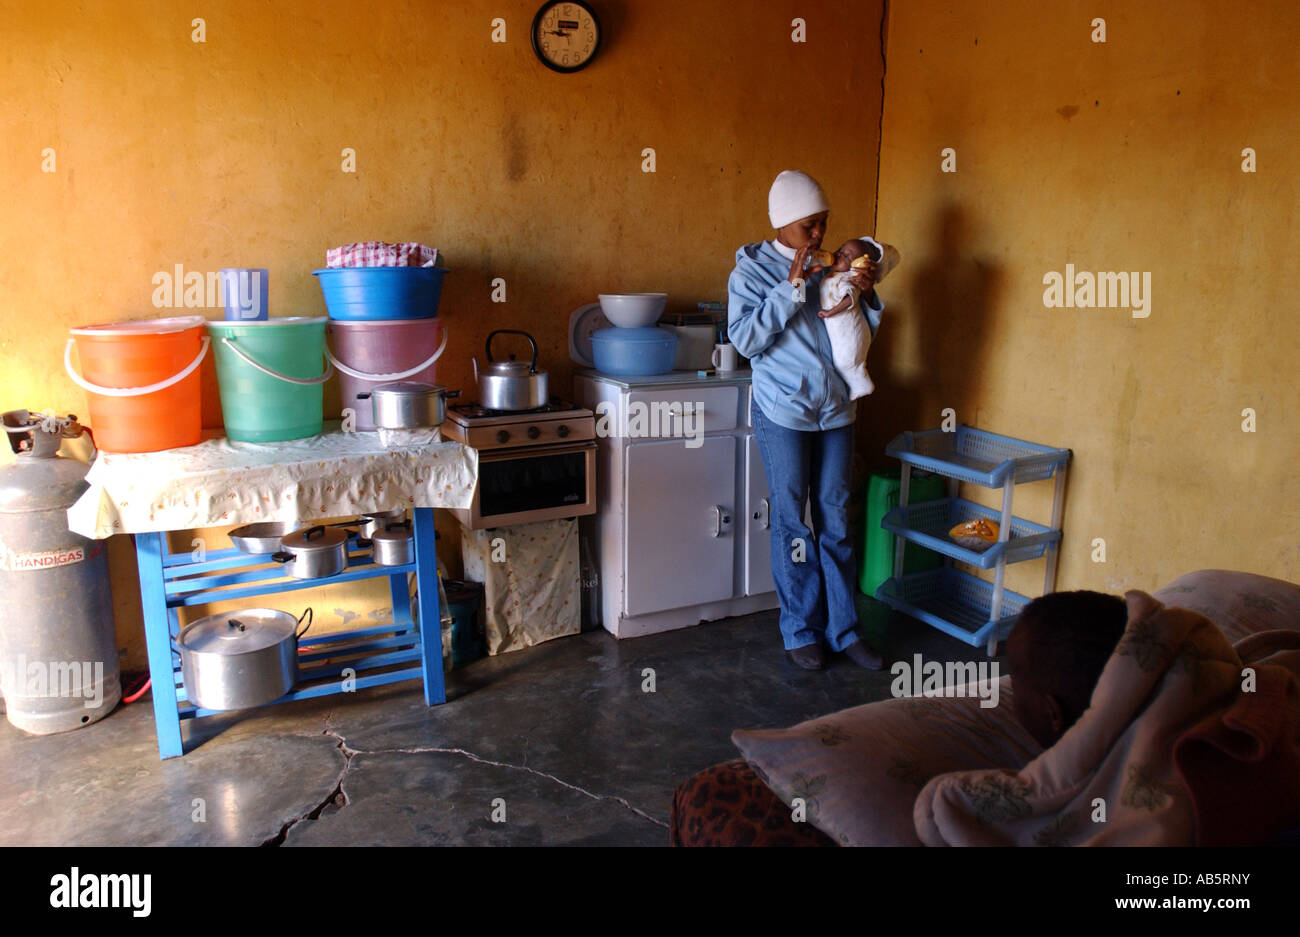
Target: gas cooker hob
[(474, 412), (557, 423)]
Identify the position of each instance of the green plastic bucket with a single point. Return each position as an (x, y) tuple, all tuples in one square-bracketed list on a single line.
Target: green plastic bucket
[(270, 375), (878, 548)]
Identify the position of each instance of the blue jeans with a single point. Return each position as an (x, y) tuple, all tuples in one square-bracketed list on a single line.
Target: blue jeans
[(813, 570)]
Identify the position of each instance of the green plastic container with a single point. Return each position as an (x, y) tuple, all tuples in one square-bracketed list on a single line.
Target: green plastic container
[(878, 543), (270, 376)]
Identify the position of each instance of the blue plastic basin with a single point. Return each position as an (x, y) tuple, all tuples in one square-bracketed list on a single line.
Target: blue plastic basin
[(633, 352), (361, 293)]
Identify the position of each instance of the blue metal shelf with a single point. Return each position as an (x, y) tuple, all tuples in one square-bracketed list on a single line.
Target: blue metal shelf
[(376, 655), (927, 523)]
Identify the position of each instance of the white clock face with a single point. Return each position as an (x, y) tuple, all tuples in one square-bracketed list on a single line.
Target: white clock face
[(566, 35)]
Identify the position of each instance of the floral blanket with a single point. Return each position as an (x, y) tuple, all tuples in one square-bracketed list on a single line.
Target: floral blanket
[(1112, 777)]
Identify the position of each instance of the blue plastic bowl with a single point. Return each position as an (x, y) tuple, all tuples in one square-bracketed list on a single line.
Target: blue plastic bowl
[(361, 293), (633, 352)]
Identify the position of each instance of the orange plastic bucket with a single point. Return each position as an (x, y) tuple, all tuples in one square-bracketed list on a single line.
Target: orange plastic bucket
[(143, 382)]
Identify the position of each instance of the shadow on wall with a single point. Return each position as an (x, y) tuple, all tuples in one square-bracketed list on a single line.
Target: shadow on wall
[(931, 349), (938, 322)]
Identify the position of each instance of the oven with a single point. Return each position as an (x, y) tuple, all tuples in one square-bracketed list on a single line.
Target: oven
[(533, 466), (521, 486)]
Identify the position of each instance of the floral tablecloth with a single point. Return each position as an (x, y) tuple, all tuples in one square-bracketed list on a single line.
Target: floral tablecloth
[(530, 579), (219, 482)]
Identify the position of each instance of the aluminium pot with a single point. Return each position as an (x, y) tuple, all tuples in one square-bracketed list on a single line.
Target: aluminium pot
[(314, 552), (235, 660), (511, 385), (408, 404), (372, 522), (260, 539), (394, 545)]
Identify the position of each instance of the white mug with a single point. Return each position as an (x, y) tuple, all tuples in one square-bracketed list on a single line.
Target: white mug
[(725, 357)]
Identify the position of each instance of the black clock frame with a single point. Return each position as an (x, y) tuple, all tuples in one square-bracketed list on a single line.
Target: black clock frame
[(564, 69)]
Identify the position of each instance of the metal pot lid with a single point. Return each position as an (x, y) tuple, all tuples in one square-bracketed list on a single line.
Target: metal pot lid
[(394, 532), (237, 632), (265, 529), (385, 515), (318, 539), (408, 389)]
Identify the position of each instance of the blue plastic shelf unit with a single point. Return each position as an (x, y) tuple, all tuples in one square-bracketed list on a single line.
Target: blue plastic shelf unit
[(957, 603)]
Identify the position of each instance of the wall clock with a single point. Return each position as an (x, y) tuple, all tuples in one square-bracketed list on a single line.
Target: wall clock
[(566, 35)]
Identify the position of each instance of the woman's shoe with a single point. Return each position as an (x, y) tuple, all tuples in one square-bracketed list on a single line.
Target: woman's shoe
[(809, 657), (860, 653)]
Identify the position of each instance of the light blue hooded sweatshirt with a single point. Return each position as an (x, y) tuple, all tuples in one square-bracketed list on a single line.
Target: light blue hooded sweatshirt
[(794, 383)]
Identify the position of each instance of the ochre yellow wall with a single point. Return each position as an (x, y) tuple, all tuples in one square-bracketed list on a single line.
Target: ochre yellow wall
[(228, 153), (1126, 156)]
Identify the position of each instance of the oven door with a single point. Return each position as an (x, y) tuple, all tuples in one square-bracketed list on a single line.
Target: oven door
[(522, 486)]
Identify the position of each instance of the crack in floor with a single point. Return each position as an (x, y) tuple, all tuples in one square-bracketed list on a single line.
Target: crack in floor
[(338, 798), (505, 764)]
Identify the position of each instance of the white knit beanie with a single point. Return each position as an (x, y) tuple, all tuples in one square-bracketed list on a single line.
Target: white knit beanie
[(794, 195)]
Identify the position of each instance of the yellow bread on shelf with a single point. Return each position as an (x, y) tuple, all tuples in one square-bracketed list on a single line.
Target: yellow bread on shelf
[(979, 534)]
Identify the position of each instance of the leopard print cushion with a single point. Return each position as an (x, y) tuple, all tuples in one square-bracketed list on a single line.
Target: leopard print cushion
[(728, 805)]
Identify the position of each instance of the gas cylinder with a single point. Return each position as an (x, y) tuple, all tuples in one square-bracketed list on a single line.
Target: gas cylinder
[(58, 652)]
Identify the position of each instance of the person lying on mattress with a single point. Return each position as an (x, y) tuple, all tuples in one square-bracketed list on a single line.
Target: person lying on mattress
[(1055, 655), (1156, 730)]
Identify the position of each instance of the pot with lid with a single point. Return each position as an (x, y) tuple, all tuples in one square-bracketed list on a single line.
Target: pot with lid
[(408, 404), (511, 384), (394, 545), (235, 660), (314, 552)]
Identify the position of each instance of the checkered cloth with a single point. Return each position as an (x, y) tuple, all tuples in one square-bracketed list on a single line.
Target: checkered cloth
[(380, 254)]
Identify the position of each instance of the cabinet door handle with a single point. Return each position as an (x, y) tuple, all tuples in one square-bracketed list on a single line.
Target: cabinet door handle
[(764, 514), (721, 519)]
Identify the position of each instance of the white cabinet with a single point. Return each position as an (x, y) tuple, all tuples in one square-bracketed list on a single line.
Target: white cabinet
[(680, 520), (681, 533), (757, 522)]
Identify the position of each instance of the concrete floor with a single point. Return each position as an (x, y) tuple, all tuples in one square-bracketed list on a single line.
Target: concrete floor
[(561, 733)]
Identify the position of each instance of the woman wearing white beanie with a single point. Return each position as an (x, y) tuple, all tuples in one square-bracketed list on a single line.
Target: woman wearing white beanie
[(803, 421)]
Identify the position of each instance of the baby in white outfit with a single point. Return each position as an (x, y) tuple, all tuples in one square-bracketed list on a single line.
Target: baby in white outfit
[(847, 328)]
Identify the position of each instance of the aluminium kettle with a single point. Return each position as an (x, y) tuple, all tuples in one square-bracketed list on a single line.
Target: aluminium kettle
[(511, 384)]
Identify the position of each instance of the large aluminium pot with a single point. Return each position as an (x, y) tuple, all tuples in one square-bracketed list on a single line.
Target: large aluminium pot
[(314, 552), (510, 385), (235, 660), (408, 404)]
